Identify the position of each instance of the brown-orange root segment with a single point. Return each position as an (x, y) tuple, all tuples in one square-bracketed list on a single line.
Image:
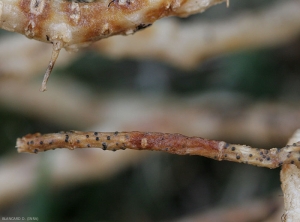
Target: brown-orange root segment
[(171, 143)]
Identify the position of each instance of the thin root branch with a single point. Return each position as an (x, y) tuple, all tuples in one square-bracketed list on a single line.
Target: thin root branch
[(172, 143), (55, 52)]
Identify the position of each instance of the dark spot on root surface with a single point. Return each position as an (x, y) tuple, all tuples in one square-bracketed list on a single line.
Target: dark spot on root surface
[(128, 2), (104, 146), (142, 26), (36, 4)]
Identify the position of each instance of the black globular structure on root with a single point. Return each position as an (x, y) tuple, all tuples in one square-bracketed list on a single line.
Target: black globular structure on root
[(104, 146)]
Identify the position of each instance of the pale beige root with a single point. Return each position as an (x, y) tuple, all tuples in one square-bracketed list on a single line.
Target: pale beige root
[(70, 24), (57, 45), (187, 45), (255, 210), (290, 184), (18, 174), (65, 105), (76, 24), (22, 57)]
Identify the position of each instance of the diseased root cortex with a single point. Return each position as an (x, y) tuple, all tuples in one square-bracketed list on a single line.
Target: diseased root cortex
[(171, 143)]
